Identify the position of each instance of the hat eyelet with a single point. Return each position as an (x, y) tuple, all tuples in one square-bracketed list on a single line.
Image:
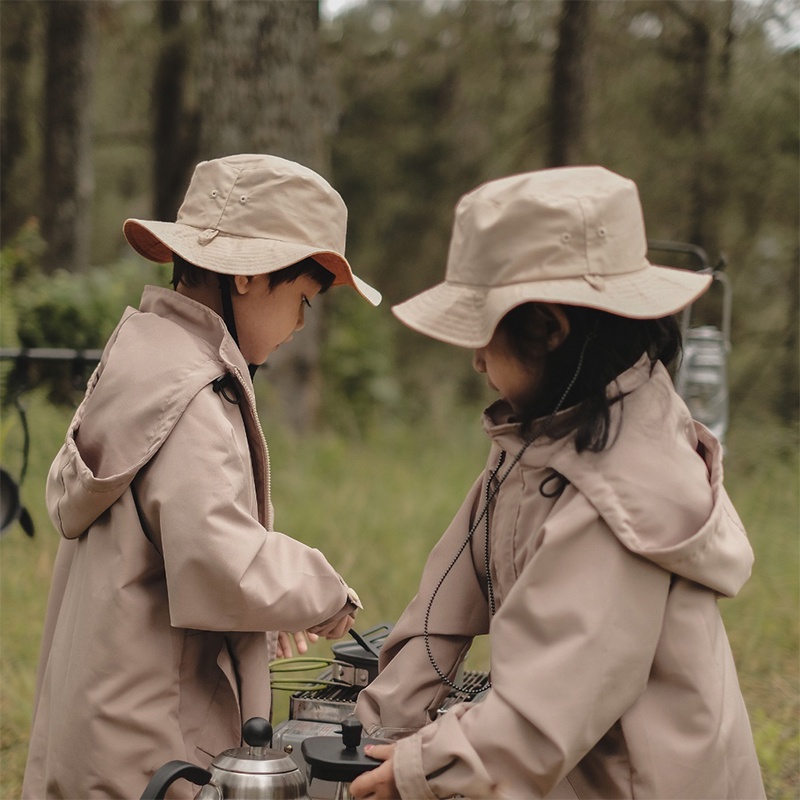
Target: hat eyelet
[(243, 199), (214, 192), (601, 232), (565, 237)]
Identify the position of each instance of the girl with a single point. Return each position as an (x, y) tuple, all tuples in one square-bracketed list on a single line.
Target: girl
[(593, 547)]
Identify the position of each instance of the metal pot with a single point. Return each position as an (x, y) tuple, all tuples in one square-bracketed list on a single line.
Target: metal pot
[(356, 662), (243, 773)]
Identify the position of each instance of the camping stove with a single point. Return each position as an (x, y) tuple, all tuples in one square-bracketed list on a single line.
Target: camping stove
[(320, 712)]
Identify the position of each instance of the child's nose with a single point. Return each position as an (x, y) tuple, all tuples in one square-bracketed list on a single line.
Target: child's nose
[(478, 361), (301, 319)]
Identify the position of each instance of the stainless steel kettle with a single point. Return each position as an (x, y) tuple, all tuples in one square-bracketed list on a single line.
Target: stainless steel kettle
[(255, 772)]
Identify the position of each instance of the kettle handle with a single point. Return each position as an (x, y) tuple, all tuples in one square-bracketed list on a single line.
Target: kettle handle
[(165, 776)]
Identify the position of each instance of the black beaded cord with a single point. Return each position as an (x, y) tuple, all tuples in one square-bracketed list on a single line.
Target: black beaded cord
[(490, 494)]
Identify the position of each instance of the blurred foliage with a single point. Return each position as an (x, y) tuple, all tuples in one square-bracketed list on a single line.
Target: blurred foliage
[(438, 97), (434, 98), (358, 365), (61, 310)]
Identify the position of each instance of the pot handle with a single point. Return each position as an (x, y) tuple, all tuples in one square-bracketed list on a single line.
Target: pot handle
[(165, 776)]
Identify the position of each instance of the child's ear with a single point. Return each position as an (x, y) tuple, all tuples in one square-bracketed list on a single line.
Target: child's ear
[(243, 283), (557, 336)]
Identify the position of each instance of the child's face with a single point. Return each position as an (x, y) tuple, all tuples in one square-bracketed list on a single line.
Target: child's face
[(546, 327), (267, 317), (505, 374)]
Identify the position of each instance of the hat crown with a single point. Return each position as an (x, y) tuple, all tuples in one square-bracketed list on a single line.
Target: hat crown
[(556, 223), (265, 197)]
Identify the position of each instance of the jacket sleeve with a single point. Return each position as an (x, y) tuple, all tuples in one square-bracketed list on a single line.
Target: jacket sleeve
[(572, 648), (409, 691), (224, 570)]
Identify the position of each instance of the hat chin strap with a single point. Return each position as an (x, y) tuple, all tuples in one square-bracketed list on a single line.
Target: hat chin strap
[(228, 315)]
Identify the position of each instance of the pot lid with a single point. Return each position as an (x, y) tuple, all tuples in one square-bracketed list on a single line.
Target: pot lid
[(354, 653), (365, 650), (255, 761), (339, 759)]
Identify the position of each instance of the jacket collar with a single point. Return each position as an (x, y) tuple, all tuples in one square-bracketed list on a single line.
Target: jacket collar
[(197, 319), (501, 427)]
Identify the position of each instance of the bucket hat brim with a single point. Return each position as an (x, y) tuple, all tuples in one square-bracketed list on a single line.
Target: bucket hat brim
[(466, 316), (568, 235), (235, 255)]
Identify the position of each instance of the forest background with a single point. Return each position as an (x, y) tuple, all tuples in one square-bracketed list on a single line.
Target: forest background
[(107, 105)]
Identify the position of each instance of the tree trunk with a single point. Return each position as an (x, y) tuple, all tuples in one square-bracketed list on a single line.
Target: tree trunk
[(707, 52), (17, 21), (264, 86), (265, 90), (569, 82), (68, 183), (174, 124)]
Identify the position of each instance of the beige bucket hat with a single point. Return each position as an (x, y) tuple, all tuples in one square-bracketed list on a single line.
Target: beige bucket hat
[(571, 235), (250, 215)]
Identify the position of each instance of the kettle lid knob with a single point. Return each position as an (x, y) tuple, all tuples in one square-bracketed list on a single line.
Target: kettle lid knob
[(257, 732), (351, 732)]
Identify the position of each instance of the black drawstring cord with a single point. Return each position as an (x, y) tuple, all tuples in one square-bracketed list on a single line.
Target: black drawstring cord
[(493, 485), (227, 306), (230, 319), (553, 485), (227, 386)]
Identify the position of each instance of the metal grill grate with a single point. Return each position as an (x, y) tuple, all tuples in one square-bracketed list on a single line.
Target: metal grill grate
[(472, 680), (331, 704), (335, 703)]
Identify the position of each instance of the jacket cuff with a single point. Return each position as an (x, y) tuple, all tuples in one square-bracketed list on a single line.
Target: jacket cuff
[(353, 597), (409, 774)]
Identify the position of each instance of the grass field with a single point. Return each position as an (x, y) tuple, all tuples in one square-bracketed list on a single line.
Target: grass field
[(375, 505)]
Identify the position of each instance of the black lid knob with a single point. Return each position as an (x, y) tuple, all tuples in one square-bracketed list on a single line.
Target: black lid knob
[(257, 732), (351, 732)]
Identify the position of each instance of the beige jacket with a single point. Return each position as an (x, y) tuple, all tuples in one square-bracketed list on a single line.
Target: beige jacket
[(611, 673), (170, 572)]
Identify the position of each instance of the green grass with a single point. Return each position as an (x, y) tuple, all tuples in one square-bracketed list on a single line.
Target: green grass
[(764, 621), (25, 569), (376, 504)]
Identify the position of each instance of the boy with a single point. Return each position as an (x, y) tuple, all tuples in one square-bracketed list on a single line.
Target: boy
[(170, 582)]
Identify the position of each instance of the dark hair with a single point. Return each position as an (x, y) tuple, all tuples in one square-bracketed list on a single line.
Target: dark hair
[(192, 275), (608, 345)]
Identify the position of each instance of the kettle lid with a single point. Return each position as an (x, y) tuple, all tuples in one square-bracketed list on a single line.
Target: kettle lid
[(241, 759), (257, 758)]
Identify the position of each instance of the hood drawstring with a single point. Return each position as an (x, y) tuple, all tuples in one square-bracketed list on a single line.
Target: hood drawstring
[(227, 306), (493, 485), (228, 315)]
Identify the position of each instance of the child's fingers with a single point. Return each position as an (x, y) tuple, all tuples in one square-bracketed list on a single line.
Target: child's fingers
[(341, 627), (284, 645), (335, 629), (380, 752)]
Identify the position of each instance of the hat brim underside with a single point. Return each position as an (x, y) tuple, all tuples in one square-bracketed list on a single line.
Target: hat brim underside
[(235, 255), (466, 316)]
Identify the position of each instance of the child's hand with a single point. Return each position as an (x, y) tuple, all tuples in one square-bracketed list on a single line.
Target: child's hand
[(336, 628), (379, 782), (301, 640)]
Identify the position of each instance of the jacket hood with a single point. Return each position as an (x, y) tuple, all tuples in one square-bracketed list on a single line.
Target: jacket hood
[(133, 400), (658, 485)]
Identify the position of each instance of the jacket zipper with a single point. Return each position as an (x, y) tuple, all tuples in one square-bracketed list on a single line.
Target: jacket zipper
[(251, 401)]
